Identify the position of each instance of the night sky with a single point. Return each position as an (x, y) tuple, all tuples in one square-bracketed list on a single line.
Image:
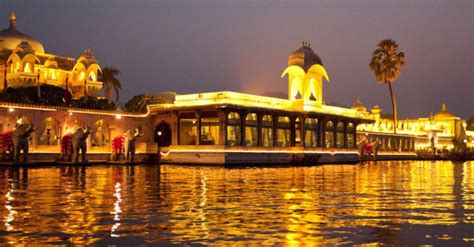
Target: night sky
[(193, 46)]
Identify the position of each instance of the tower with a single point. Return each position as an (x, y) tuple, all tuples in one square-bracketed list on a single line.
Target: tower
[(305, 76)]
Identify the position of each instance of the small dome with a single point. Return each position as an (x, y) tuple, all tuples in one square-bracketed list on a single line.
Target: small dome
[(10, 37), (444, 113), (358, 106), (304, 57), (87, 58)]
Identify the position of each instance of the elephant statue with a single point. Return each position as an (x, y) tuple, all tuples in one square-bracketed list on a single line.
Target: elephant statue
[(79, 144), (132, 137), (20, 138), (367, 149), (125, 144)]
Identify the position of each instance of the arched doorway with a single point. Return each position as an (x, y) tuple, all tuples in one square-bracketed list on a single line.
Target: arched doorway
[(163, 134)]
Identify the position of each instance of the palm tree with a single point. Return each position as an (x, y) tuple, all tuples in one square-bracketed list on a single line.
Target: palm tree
[(386, 64), (109, 78)]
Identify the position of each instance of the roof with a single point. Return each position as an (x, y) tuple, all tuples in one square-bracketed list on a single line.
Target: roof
[(11, 37), (444, 113), (304, 57)]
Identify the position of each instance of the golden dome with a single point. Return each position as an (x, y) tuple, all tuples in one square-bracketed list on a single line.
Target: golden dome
[(358, 106), (304, 57), (444, 113), (10, 37)]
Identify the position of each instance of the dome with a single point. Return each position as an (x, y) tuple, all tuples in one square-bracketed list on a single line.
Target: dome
[(444, 113), (11, 37), (304, 57), (358, 106)]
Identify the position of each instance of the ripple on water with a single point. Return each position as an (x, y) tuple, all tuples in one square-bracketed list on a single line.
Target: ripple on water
[(400, 203)]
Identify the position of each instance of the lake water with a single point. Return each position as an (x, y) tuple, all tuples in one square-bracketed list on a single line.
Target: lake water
[(396, 203)]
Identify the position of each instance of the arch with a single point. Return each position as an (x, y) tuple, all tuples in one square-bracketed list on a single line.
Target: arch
[(163, 134), (293, 70), (317, 69), (296, 88), (50, 132), (329, 134), (100, 136)]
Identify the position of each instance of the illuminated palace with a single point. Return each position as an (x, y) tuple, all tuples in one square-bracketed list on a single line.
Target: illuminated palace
[(213, 127), (24, 63), (231, 127), (436, 131)]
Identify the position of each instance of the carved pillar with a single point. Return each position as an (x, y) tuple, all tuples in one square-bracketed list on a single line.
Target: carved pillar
[(198, 116), (292, 131), (259, 129), (243, 116)]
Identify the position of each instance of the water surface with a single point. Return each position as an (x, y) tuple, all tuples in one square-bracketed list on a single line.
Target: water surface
[(402, 203)]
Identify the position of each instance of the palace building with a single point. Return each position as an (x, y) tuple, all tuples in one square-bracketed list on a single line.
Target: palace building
[(436, 131), (224, 128), (230, 127), (25, 63)]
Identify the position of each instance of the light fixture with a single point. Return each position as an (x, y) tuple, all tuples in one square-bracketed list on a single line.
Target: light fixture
[(159, 133), (70, 113), (11, 109), (118, 116)]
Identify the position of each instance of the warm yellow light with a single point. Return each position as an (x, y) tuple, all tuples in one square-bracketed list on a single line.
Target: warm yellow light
[(11, 109), (118, 116), (82, 75), (70, 113), (27, 68)]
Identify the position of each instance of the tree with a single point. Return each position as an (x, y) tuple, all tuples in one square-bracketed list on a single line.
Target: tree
[(109, 77), (386, 64), (138, 103)]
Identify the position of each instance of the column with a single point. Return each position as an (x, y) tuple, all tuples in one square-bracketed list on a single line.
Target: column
[(243, 116)]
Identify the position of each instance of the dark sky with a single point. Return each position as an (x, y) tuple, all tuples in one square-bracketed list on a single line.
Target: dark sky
[(192, 46)]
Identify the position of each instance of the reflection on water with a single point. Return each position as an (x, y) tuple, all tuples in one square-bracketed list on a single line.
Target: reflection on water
[(402, 203)]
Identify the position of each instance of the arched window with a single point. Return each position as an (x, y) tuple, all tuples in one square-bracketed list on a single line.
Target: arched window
[(82, 76), (49, 137), (267, 131), (233, 129), (17, 67), (100, 138), (283, 132), (311, 135), (92, 76), (27, 68), (251, 130), (350, 135), (340, 135), (329, 135)]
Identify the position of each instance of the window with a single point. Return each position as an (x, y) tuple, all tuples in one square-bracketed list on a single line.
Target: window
[(267, 131), (283, 132), (311, 135), (329, 135), (340, 135), (82, 76), (251, 130), (92, 76), (188, 131), (209, 131), (350, 135), (28, 68), (49, 137), (233, 129)]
